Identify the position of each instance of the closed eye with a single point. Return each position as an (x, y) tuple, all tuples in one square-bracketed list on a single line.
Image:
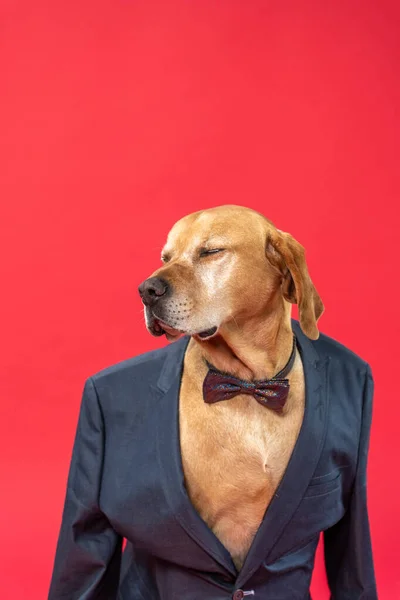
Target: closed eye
[(208, 252)]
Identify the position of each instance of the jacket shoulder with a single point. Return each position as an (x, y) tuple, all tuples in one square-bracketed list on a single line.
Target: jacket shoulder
[(339, 352), (138, 365)]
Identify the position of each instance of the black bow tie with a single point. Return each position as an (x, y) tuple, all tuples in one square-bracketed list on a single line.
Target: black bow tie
[(271, 393)]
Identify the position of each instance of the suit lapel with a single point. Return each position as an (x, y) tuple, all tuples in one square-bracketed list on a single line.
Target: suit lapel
[(169, 453), (302, 463), (299, 471)]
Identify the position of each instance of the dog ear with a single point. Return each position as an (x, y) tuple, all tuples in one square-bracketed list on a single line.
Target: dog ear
[(288, 255)]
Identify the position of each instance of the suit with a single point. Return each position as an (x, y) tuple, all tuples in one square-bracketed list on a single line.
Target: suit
[(126, 481)]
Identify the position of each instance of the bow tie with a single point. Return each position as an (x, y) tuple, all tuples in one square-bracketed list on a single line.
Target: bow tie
[(271, 393)]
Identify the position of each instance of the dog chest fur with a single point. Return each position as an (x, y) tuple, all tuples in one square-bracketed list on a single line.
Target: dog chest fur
[(234, 454)]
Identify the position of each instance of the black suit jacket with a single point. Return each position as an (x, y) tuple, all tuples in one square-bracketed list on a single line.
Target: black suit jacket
[(126, 481)]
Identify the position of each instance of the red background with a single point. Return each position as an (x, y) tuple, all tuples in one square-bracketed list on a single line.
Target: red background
[(117, 118)]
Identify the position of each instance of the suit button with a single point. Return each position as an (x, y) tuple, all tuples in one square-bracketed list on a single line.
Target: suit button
[(238, 595)]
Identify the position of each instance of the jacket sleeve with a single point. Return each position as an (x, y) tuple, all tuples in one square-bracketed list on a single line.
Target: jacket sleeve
[(348, 551), (88, 555)]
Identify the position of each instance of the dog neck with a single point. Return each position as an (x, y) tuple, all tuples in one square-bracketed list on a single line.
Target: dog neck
[(256, 349)]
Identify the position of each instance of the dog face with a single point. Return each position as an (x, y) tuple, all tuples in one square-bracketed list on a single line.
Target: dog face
[(220, 265)]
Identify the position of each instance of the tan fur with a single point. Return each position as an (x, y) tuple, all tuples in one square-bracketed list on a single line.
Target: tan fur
[(235, 452)]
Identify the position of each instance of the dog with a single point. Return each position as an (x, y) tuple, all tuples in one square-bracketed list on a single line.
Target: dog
[(228, 280)]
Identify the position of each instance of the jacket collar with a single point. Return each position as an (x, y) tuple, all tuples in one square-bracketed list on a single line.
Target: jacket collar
[(173, 363)]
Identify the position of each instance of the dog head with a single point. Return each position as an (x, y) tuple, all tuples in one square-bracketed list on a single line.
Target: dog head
[(223, 264)]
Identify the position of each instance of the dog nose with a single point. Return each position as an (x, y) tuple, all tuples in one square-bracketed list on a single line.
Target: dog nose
[(152, 290)]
